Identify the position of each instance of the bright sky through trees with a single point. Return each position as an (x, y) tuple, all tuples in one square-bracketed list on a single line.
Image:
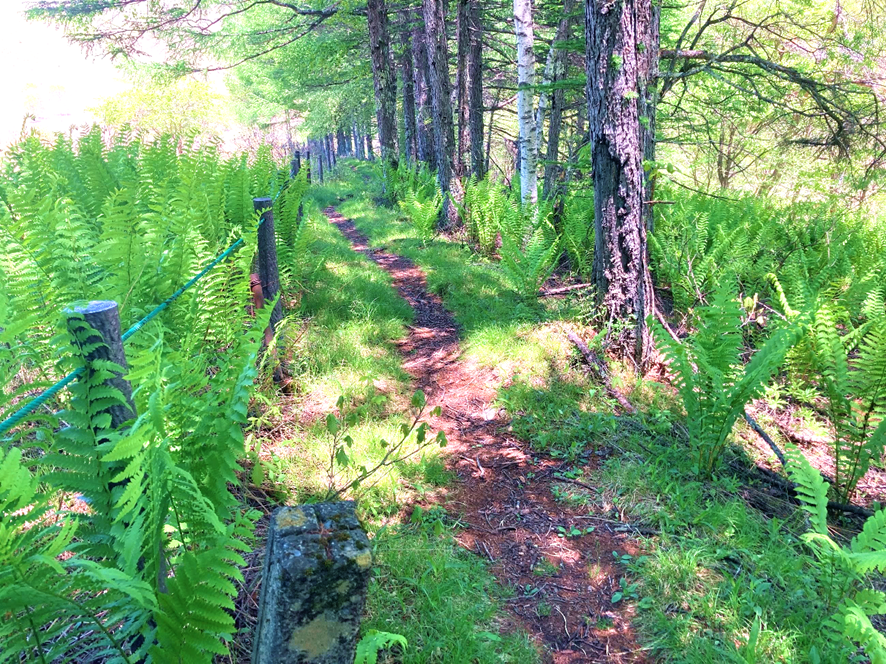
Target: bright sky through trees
[(46, 76)]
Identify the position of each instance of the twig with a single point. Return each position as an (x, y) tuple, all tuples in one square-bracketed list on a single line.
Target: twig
[(599, 368), (581, 484), (760, 432), (563, 289)]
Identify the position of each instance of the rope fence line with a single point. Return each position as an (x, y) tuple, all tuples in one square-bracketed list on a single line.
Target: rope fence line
[(18, 416)]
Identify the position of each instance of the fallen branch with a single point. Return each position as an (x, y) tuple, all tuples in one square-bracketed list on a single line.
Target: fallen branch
[(760, 432), (790, 488), (598, 366), (563, 289)]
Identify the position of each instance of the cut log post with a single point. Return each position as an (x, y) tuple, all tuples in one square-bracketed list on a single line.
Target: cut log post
[(105, 343), (308, 166), (293, 173), (267, 260), (295, 165), (316, 571)]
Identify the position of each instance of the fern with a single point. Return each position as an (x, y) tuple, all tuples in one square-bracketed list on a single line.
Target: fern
[(374, 642), (527, 267), (855, 390), (578, 231), (712, 381), (422, 211), (843, 568), (147, 572)]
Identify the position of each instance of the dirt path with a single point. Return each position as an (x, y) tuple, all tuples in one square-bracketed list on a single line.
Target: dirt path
[(563, 585)]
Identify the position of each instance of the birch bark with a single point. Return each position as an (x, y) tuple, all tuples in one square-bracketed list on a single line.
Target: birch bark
[(525, 114)]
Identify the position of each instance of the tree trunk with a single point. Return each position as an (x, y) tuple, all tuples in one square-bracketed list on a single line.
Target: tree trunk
[(525, 115), (369, 153), (552, 169), (463, 82), (409, 127), (444, 133), (422, 72), (318, 150), (552, 157), (622, 43), (383, 79), (340, 139), (475, 89), (553, 72)]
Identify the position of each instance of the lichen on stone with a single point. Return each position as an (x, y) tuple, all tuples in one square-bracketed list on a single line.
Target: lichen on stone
[(318, 636)]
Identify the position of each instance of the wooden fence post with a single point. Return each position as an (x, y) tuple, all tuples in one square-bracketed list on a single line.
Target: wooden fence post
[(293, 173), (104, 318), (295, 166), (268, 274), (308, 166)]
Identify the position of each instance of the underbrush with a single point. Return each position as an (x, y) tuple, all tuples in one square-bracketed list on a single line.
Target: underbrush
[(340, 349), (720, 580), (728, 574)]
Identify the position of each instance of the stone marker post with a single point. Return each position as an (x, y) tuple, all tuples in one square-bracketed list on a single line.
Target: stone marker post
[(316, 570)]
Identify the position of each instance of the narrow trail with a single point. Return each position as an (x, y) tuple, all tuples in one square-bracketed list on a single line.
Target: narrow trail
[(504, 500)]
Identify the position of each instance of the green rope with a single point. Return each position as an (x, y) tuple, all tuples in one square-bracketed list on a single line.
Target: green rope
[(29, 407), (38, 401)]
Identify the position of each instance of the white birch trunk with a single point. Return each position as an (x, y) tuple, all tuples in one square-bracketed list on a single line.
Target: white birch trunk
[(525, 114)]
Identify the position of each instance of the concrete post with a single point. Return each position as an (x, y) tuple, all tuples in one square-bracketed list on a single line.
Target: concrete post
[(316, 572)]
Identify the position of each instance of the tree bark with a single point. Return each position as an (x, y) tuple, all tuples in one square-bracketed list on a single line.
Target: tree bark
[(444, 132), (463, 82), (384, 82), (552, 156), (553, 72), (475, 89), (622, 43), (409, 124), (424, 118), (525, 114), (559, 64)]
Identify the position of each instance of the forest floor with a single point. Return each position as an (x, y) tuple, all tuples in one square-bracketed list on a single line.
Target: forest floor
[(564, 562), (554, 526)]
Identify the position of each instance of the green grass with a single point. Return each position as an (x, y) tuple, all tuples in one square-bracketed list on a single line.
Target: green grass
[(717, 566), (442, 599), (340, 342)]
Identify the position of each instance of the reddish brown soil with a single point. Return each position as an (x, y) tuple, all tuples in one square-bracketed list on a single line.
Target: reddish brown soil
[(503, 499)]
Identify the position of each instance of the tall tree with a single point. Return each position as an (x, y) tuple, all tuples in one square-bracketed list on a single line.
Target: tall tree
[(475, 88), (410, 129), (424, 111), (622, 43), (553, 72), (383, 78), (463, 78), (441, 87), (525, 113)]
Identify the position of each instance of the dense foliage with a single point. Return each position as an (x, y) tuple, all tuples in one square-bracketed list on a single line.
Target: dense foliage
[(124, 544)]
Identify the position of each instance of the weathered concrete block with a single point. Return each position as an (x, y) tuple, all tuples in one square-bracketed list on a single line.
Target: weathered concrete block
[(316, 570)]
